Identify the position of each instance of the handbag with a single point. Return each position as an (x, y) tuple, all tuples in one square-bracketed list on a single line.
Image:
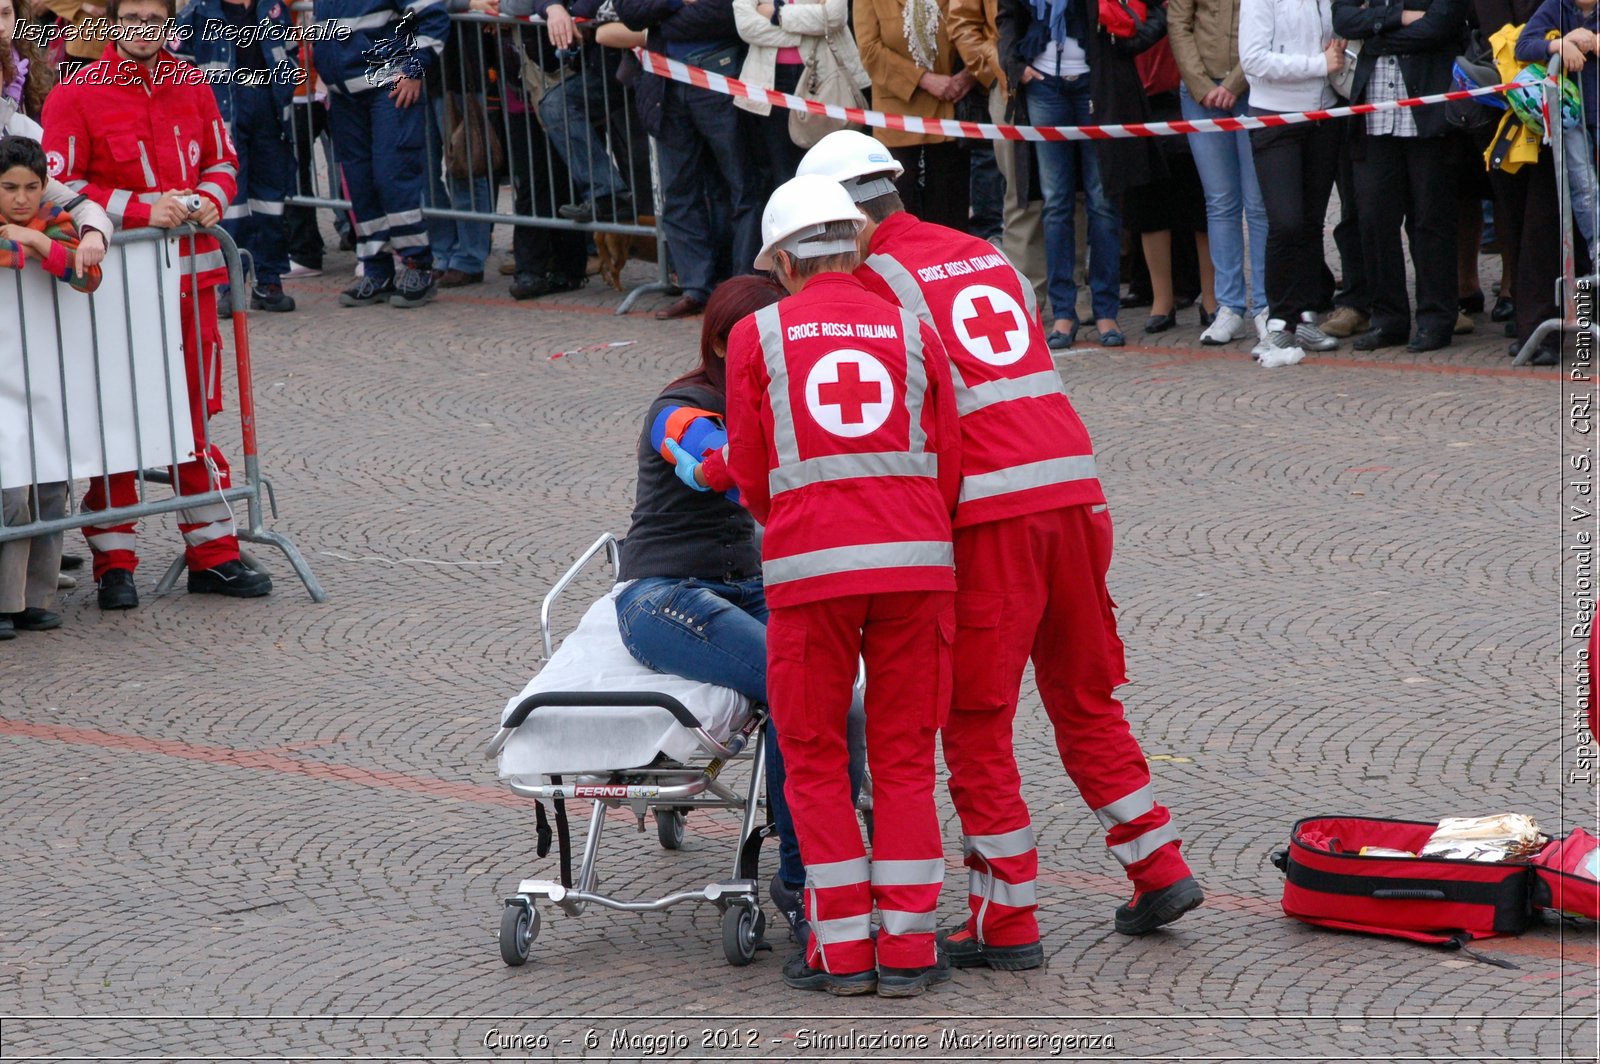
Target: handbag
[(471, 147), (1158, 69), (1149, 31), (1343, 81), (834, 87), (1122, 18)]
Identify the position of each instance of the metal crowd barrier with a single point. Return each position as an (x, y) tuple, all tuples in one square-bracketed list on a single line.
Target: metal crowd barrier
[(115, 338), (1568, 286), (563, 126)]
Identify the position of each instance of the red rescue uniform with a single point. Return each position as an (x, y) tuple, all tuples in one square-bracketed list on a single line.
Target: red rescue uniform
[(122, 135), (1033, 543), (842, 438)]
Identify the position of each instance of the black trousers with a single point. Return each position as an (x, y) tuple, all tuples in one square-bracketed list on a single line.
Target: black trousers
[(937, 184), (1355, 291), (539, 184), (1409, 184), (1295, 166), (1525, 221)]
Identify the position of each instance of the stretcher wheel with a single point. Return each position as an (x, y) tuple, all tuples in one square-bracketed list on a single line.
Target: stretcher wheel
[(742, 929), (669, 828), (519, 926)]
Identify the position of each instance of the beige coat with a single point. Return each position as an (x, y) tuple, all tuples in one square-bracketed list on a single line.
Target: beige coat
[(881, 35), (802, 24), (1205, 43), (977, 41)]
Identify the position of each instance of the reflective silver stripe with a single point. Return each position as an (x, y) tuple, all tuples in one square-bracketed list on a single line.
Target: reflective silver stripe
[(368, 228), (217, 192), (431, 43), (1138, 849), (896, 922), (374, 20), (770, 329), (404, 218), (838, 873), (916, 380), (211, 260), (863, 556), (270, 208), (117, 204), (227, 169), (104, 542), (77, 186), (1128, 808), (844, 466), (207, 514), (144, 160), (237, 210), (360, 84), (908, 873), (206, 533), (1029, 475), (1033, 386), (72, 156), (1029, 299), (844, 929), (216, 66), (1016, 895), (902, 284), (994, 847), (367, 249), (216, 133), (148, 197)]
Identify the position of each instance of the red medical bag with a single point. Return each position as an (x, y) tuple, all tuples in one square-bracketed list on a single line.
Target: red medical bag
[(1425, 899), (1568, 875)]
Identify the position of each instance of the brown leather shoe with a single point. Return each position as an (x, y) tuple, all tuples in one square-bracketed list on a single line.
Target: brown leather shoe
[(1345, 321), (459, 279), (685, 307)]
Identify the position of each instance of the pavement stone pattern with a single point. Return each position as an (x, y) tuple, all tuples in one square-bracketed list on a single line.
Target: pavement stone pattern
[(266, 829)]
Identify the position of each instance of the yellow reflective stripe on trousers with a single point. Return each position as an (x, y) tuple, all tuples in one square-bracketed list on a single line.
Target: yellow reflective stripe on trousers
[(1136, 850), (1127, 809), (908, 873), (1016, 895), (1031, 475), (838, 873), (994, 847), (857, 558)]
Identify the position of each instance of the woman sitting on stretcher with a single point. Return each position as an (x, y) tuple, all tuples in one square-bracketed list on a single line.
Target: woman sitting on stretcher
[(692, 602)]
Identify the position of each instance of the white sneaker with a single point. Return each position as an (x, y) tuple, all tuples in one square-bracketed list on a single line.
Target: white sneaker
[(1281, 348), (1261, 325), (1229, 326), (297, 270)]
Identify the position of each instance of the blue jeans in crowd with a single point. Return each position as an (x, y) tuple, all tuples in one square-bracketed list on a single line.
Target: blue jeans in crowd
[(1578, 147), (576, 117), (1233, 201), (1065, 167), (717, 633), (460, 246)]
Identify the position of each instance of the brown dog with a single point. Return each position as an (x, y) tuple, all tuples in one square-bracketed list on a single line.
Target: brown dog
[(616, 249)]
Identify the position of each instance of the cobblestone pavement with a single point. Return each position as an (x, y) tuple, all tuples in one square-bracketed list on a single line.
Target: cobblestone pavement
[(266, 829)]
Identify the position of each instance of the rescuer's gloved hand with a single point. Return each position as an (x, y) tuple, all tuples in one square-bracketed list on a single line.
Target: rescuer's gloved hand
[(686, 465)]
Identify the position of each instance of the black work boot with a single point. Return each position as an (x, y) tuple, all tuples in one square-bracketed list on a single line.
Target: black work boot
[(117, 590), (1146, 912), (231, 578), (964, 950)]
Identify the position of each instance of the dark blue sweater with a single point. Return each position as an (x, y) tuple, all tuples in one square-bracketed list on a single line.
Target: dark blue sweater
[(1563, 16)]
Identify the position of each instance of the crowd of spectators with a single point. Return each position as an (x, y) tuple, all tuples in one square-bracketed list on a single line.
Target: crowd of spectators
[(563, 115)]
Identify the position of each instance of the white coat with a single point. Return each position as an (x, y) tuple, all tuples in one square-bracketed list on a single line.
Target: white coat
[(802, 24), (1280, 52)]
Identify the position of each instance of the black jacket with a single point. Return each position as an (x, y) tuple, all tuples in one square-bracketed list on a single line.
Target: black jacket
[(1427, 48), (677, 531), (673, 20)]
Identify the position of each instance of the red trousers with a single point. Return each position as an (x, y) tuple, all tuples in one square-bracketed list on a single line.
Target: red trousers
[(1035, 586), (812, 655), (208, 530)]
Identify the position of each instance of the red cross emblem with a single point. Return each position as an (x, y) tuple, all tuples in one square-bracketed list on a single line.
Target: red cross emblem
[(994, 326), (850, 393), (991, 324)]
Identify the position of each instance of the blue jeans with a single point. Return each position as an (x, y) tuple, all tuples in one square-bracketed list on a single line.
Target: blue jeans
[(1578, 147), (1233, 196), (460, 246), (717, 633), (1064, 168), (576, 117)]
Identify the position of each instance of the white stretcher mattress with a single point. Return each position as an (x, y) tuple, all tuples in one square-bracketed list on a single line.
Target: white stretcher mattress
[(571, 739)]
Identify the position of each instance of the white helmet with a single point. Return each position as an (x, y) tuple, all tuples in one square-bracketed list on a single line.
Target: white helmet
[(847, 155), (797, 215)]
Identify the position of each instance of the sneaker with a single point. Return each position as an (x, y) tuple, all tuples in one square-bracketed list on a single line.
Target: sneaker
[(1345, 322), (1146, 912), (798, 975), (298, 269), (790, 902), (1281, 347), (117, 590), (270, 297), (413, 288), (576, 212), (963, 950), (1229, 326), (1260, 319), (1311, 338), (232, 579), (909, 982), (367, 291)]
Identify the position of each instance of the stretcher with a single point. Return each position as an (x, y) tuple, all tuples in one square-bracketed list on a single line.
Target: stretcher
[(595, 725)]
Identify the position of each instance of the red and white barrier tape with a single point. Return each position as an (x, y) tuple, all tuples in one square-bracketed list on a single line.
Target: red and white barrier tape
[(692, 75)]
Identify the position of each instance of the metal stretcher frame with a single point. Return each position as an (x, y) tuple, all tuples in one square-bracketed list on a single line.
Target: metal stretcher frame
[(669, 790)]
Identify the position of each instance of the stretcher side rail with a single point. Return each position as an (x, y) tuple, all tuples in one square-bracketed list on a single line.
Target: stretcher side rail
[(613, 549), (618, 700)]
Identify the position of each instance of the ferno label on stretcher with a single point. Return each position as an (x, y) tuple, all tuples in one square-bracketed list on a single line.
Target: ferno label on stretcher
[(93, 384)]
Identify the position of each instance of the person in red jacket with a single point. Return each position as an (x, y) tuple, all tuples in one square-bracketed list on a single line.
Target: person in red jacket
[(1033, 543), (138, 132), (843, 442)]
